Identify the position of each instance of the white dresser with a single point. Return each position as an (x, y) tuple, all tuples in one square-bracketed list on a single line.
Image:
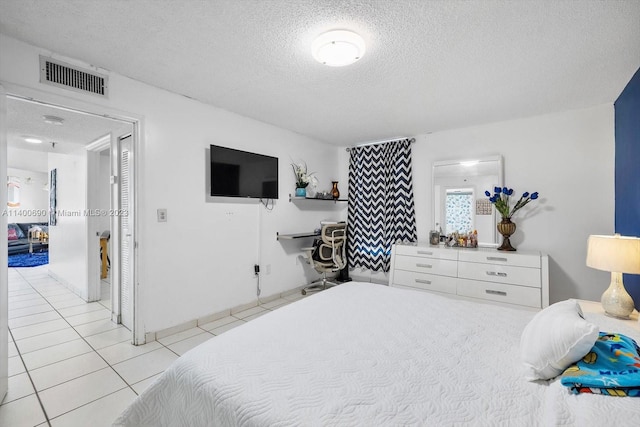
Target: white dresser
[(520, 278)]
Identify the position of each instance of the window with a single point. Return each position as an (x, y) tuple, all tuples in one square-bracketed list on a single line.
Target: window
[(459, 210)]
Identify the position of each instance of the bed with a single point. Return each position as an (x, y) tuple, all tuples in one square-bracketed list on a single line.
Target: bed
[(365, 354)]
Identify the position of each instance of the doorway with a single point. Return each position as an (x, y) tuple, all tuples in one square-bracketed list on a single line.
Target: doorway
[(84, 256)]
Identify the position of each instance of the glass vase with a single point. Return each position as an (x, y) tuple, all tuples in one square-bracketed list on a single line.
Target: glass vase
[(301, 192)]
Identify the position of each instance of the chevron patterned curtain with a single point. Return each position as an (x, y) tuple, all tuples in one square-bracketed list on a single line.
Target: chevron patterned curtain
[(381, 208)]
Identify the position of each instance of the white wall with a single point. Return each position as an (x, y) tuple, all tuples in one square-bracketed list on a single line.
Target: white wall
[(68, 238), (568, 158), (34, 200), (200, 261), (32, 160)]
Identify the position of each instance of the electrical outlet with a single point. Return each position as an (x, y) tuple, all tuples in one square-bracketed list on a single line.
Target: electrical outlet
[(268, 268), (162, 215)]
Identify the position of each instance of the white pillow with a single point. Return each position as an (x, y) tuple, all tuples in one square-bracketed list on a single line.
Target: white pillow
[(555, 338)]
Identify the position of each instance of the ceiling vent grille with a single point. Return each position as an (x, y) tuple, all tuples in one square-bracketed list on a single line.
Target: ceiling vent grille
[(60, 74)]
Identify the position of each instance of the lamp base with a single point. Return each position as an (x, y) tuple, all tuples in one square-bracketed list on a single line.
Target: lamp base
[(615, 300)]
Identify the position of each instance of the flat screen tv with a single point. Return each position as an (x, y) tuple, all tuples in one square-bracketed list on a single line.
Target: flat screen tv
[(236, 173)]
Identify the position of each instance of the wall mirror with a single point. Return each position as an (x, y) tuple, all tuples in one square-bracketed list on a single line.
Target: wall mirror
[(458, 197)]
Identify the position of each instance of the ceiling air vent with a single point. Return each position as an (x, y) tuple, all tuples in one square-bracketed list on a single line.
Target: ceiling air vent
[(60, 74)]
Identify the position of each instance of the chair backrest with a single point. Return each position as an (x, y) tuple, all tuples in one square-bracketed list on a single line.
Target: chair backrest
[(332, 246)]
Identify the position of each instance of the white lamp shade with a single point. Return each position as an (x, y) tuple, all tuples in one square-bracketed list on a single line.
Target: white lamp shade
[(617, 253), (338, 48)]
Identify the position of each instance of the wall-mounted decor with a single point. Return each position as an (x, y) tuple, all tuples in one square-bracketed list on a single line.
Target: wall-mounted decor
[(53, 218), (13, 191), (483, 207)]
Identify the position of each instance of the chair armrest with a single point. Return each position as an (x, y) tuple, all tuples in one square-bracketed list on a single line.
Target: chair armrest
[(308, 252)]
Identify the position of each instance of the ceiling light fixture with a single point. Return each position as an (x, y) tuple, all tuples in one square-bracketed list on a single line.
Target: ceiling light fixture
[(338, 48), (469, 163), (53, 120), (32, 140)]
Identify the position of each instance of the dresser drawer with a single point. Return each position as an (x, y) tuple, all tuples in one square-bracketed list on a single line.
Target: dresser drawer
[(426, 251), (442, 267), (510, 294), (429, 282), (501, 258), (523, 276)]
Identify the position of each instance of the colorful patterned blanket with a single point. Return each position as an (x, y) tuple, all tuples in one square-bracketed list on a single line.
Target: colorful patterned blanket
[(612, 367)]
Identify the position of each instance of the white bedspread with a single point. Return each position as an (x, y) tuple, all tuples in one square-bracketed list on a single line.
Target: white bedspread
[(369, 355)]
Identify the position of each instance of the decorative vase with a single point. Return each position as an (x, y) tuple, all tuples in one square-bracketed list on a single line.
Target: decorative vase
[(301, 192), (506, 228), (334, 190), (311, 192)]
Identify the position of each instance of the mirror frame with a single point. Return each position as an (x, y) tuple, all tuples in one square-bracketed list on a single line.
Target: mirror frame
[(436, 216)]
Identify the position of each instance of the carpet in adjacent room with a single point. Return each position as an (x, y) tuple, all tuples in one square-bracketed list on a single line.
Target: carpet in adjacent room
[(29, 260)]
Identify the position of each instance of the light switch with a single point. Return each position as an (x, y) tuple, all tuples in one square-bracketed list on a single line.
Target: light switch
[(162, 215)]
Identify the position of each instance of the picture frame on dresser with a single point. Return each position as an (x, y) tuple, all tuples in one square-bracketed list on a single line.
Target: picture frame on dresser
[(520, 279)]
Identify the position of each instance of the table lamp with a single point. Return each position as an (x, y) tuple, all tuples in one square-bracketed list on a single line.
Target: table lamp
[(617, 254)]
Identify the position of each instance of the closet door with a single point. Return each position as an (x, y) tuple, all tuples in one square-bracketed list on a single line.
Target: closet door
[(126, 233), (122, 234)]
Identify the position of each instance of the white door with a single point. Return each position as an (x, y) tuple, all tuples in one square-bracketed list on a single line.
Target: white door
[(122, 239), (125, 213)]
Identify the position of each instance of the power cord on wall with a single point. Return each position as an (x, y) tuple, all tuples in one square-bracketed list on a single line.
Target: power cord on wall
[(256, 271), (266, 204)]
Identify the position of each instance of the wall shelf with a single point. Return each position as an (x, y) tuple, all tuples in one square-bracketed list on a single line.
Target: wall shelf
[(313, 200), (294, 236)]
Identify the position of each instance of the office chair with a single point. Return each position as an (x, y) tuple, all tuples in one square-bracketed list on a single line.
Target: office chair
[(328, 254)]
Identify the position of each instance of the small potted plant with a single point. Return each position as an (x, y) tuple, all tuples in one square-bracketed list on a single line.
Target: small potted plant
[(303, 178)]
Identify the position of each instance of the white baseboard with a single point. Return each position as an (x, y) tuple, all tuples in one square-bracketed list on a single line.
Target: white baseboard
[(156, 335), (83, 295)]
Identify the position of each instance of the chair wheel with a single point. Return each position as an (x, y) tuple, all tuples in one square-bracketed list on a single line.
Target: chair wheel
[(303, 292)]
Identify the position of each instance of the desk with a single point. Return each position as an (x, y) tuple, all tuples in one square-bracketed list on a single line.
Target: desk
[(293, 236), (343, 276)]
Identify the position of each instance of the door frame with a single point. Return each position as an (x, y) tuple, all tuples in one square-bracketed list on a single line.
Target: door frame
[(137, 122), (112, 143), (93, 235), (4, 270)]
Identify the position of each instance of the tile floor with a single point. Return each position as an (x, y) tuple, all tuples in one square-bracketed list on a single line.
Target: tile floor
[(69, 365)]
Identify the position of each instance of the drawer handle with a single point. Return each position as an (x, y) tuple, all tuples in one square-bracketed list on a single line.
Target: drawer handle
[(425, 253), (492, 292), (426, 282), (496, 258), (424, 265), (493, 273)]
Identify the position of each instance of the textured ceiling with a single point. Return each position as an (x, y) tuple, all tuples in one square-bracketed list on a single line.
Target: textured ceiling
[(429, 66)]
